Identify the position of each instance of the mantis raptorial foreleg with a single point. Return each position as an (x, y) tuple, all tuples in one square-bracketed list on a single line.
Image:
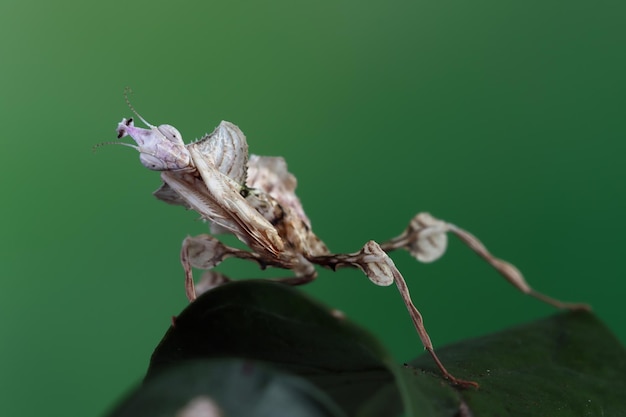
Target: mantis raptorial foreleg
[(206, 252), (209, 280), (425, 238)]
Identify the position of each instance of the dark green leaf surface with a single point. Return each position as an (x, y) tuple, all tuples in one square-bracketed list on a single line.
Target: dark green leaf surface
[(277, 324), (565, 365), (569, 364), (228, 387)]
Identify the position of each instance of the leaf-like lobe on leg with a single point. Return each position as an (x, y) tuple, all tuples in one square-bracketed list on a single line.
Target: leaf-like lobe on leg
[(430, 239), (376, 264)]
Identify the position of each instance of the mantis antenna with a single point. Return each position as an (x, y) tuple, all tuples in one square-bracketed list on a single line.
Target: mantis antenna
[(128, 91)]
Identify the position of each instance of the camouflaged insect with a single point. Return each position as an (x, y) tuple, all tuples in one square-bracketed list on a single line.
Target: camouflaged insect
[(253, 197)]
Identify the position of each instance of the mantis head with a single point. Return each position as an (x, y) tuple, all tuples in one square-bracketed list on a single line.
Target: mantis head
[(161, 148)]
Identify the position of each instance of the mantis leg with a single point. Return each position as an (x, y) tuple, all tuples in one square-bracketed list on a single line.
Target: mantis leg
[(426, 239), (206, 252), (381, 270)]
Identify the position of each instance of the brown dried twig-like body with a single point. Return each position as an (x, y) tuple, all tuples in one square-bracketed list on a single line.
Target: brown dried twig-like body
[(253, 197)]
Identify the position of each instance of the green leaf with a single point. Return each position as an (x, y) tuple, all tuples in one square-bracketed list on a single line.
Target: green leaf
[(565, 365), (277, 324), (569, 364), (230, 387)]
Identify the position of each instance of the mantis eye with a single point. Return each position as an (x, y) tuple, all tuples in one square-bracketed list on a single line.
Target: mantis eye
[(152, 162), (171, 134)]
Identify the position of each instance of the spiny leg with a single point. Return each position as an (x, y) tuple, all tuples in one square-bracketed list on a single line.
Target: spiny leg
[(206, 252), (210, 279), (426, 239), (381, 270)]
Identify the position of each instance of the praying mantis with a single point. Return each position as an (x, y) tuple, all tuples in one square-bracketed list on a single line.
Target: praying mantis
[(253, 197)]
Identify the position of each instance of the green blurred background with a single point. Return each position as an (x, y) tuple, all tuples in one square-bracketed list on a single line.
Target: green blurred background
[(506, 118)]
